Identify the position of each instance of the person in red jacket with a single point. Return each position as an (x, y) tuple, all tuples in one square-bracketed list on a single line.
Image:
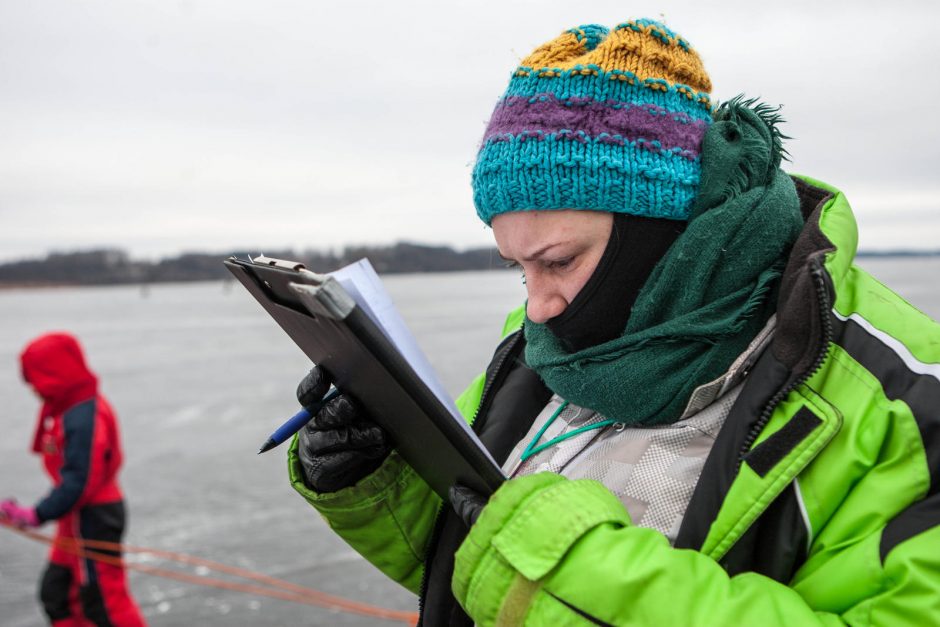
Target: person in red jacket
[(77, 436)]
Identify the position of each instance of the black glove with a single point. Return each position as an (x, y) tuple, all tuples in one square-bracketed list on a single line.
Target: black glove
[(340, 445), (467, 503)]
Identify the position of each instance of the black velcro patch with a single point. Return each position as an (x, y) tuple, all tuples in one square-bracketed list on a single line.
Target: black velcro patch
[(769, 452)]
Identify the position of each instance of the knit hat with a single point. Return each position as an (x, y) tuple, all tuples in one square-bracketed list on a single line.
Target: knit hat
[(601, 120)]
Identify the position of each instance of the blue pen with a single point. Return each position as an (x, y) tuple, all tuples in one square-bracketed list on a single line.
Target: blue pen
[(296, 422)]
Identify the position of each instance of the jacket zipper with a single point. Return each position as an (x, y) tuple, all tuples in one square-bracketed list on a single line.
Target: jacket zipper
[(508, 349), (817, 273)]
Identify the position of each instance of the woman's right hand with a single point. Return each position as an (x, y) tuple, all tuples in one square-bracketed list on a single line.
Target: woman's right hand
[(340, 445)]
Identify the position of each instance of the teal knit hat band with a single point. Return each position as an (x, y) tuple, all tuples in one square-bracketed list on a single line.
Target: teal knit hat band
[(598, 120)]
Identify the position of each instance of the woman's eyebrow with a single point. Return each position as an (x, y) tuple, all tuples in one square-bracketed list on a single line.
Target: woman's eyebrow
[(541, 251), (533, 256)]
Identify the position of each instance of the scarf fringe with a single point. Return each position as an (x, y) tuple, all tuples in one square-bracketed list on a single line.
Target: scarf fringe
[(754, 167)]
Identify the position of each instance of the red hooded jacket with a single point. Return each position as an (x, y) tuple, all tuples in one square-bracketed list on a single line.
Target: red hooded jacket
[(77, 432)]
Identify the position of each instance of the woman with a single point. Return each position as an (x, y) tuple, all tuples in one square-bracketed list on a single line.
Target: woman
[(708, 414)]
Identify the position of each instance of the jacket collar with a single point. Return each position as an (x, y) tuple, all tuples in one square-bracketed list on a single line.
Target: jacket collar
[(797, 341)]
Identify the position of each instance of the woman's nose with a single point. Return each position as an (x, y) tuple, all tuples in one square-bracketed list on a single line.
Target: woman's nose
[(542, 304)]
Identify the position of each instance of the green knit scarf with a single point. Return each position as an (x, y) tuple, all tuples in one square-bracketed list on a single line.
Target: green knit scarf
[(707, 298)]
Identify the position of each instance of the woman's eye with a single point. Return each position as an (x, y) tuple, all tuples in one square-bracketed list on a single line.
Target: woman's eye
[(561, 264), (515, 265)]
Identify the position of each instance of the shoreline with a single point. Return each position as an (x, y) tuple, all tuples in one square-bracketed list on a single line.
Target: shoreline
[(224, 281)]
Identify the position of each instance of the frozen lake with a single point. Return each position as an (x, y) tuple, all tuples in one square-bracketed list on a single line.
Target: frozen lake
[(199, 376)]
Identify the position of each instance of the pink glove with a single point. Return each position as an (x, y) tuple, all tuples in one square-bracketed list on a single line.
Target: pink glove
[(18, 516)]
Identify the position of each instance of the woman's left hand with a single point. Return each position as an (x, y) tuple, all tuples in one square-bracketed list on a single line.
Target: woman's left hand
[(467, 502)]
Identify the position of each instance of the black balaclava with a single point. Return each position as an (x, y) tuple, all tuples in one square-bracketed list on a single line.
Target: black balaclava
[(600, 311)]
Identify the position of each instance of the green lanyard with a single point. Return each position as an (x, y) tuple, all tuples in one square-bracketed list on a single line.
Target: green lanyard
[(532, 449)]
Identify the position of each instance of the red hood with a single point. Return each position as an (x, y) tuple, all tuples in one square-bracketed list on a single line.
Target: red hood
[(55, 366)]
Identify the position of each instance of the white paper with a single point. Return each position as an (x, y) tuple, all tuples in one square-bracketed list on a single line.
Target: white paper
[(360, 280)]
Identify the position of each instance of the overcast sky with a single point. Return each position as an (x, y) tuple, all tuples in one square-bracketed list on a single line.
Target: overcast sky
[(166, 126)]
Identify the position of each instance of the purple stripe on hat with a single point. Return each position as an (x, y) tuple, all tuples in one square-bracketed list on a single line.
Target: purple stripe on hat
[(582, 138), (615, 121)]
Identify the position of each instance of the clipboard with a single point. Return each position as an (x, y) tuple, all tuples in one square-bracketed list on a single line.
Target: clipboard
[(327, 324)]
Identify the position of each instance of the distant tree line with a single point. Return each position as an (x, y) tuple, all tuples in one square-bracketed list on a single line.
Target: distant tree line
[(110, 266)]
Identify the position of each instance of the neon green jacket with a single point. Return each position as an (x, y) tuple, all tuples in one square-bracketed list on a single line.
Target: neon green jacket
[(819, 503)]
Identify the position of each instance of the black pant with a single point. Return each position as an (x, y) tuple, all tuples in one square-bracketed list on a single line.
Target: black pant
[(70, 582)]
